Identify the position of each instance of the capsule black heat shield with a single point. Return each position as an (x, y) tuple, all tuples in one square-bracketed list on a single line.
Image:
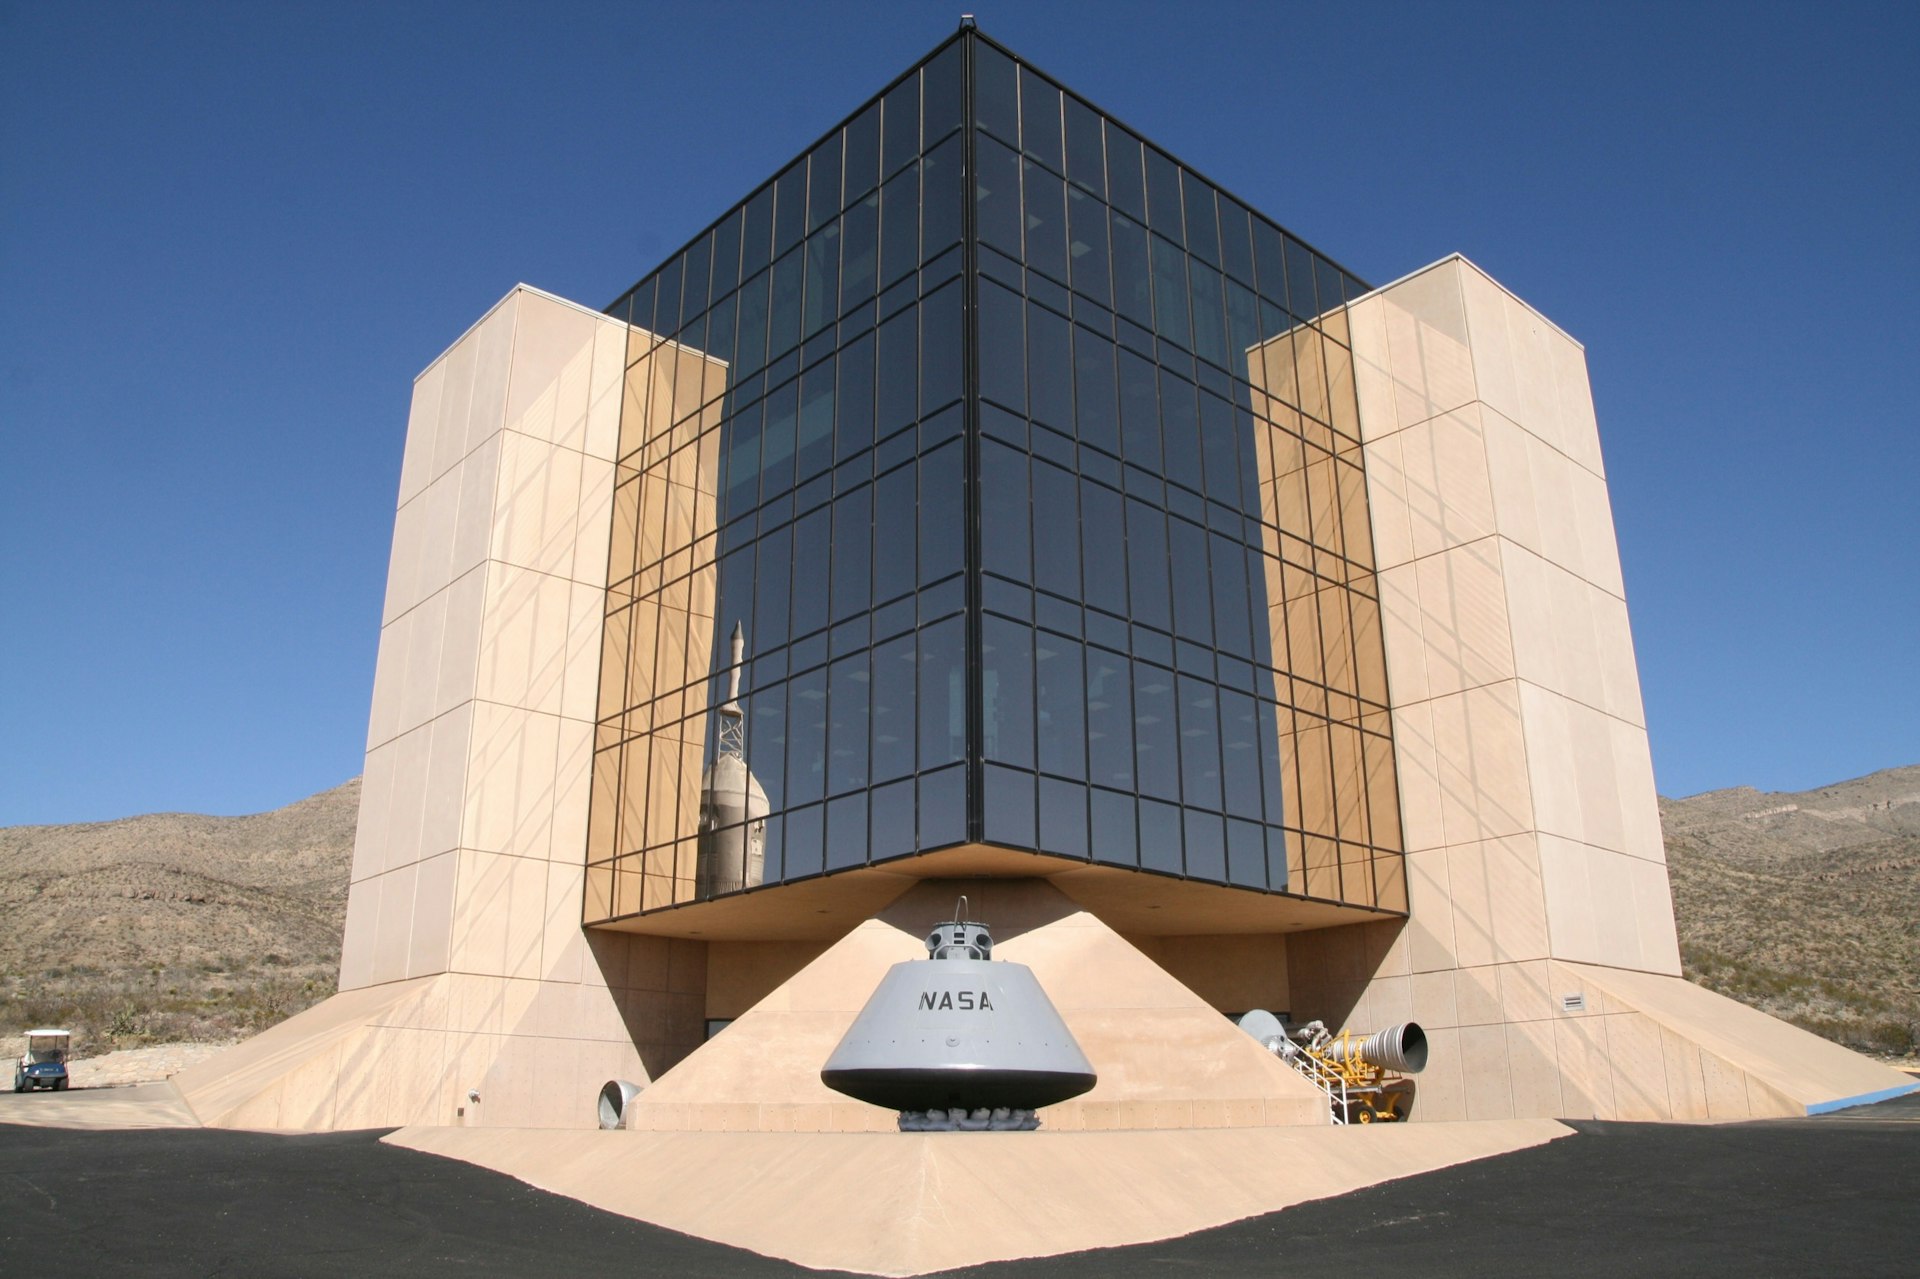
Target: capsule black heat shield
[(966, 1033)]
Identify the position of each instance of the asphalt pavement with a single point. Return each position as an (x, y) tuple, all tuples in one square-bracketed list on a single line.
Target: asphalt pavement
[(1840, 1193)]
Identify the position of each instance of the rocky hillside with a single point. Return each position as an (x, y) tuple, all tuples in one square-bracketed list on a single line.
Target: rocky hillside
[(1806, 905), (175, 926)]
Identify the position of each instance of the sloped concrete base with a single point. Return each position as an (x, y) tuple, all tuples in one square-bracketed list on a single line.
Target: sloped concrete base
[(915, 1203), (1684, 1052), (1164, 1057), (413, 1052)]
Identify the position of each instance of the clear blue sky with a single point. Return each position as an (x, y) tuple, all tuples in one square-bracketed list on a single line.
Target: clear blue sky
[(230, 234)]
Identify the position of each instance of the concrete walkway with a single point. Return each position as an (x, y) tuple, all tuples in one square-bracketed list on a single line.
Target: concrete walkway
[(138, 1106)]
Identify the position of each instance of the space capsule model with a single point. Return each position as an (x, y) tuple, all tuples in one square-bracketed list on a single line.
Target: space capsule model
[(959, 1032)]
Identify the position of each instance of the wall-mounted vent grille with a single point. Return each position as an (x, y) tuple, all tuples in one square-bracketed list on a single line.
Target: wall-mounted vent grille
[(1573, 1003)]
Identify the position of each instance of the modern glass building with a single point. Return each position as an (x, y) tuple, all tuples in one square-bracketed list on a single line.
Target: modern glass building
[(990, 480), (989, 505)]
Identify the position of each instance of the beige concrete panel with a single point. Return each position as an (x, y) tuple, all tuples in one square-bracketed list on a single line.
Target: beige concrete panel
[(1556, 482), (1530, 339), (357, 939), (479, 477), (537, 505), (1586, 1075), (1553, 761), (1372, 374), (1486, 304), (499, 915), (1571, 924), (1473, 923), (1463, 618), (1525, 991), (1534, 1067), (1726, 1088), (1417, 766), (1686, 1077), (1579, 432), (593, 523), (601, 438), (563, 945), (1476, 994), (1387, 507), (1390, 1001), (432, 923), (1578, 649), (1400, 633), (1510, 479), (1619, 672), (443, 799), (511, 781), (1434, 1005), (1565, 979), (1659, 940), (1516, 899), (1639, 804), (552, 364), (1440, 1091), (1639, 1068), (393, 934), (572, 792), (1429, 357), (1537, 657), (1449, 496), (406, 810), (1486, 1073), (1593, 527), (478, 945), (580, 669), (403, 561), (524, 638), (423, 423), (426, 627), (370, 829), (460, 641), (1482, 754), (389, 671), (492, 360), (1602, 799), (1430, 937), (439, 508), (456, 400)]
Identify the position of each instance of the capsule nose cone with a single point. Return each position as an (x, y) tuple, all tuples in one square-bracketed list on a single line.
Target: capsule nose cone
[(965, 1033)]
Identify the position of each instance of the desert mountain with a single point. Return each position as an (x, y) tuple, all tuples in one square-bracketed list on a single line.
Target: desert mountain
[(174, 925), (1806, 905)]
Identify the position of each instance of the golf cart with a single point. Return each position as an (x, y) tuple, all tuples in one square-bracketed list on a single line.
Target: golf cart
[(44, 1064)]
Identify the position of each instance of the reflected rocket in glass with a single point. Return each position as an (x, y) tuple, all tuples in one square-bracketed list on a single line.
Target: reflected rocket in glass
[(733, 806)]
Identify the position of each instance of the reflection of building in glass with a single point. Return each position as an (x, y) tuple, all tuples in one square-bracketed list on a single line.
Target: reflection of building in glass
[(989, 497), (733, 805)]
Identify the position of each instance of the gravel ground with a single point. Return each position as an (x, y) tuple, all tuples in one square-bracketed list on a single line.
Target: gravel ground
[(138, 1065)]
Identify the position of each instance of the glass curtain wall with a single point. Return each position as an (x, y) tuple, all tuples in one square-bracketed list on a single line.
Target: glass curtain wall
[(1181, 666), (792, 472), (996, 479)]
